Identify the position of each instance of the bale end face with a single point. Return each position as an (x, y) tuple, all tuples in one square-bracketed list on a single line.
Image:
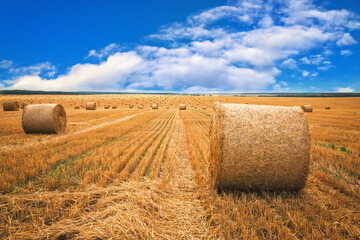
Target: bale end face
[(259, 147)]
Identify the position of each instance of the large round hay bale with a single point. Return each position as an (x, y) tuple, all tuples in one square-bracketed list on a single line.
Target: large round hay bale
[(182, 106), (154, 106), (327, 107), (307, 108), (91, 106), (44, 118), (11, 106), (259, 147)]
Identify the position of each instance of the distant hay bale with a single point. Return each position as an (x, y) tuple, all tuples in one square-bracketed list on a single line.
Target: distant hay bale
[(182, 106), (154, 106), (91, 106), (44, 118), (307, 108), (259, 147), (327, 107), (11, 106), (204, 107), (131, 106), (107, 107), (141, 107), (77, 107), (167, 107), (114, 107)]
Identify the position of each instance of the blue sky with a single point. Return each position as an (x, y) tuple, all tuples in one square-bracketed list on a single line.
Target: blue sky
[(180, 45)]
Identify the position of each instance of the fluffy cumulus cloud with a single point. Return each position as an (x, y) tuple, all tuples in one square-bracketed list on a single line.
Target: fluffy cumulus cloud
[(238, 47), (345, 89)]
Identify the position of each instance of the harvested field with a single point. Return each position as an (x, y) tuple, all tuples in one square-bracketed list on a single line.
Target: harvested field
[(130, 173)]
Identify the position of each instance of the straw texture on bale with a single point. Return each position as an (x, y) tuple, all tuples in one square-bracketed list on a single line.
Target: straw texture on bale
[(44, 118), (155, 106), (182, 107), (259, 147), (11, 106), (307, 108), (327, 107), (91, 106)]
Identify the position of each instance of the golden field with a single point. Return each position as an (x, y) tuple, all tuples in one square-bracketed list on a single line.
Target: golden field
[(130, 173)]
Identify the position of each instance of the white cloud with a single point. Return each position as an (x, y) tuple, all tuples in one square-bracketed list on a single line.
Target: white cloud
[(313, 59), (46, 67), (345, 39), (289, 63), (346, 52), (105, 75), (106, 51), (6, 64), (345, 89), (305, 73)]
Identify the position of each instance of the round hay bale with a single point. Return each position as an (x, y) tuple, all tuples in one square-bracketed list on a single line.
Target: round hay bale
[(91, 106), (77, 107), (204, 107), (154, 106), (107, 107), (167, 107), (307, 108), (182, 106), (259, 147), (44, 118), (327, 107), (114, 107), (11, 106), (141, 107), (131, 106)]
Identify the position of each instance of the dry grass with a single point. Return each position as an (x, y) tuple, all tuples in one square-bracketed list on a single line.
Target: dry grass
[(143, 174)]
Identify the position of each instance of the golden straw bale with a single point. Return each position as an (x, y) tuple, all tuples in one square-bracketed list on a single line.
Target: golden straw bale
[(167, 107), (44, 118), (154, 106), (307, 108), (182, 106), (91, 106), (327, 107), (141, 107), (259, 147), (11, 106)]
